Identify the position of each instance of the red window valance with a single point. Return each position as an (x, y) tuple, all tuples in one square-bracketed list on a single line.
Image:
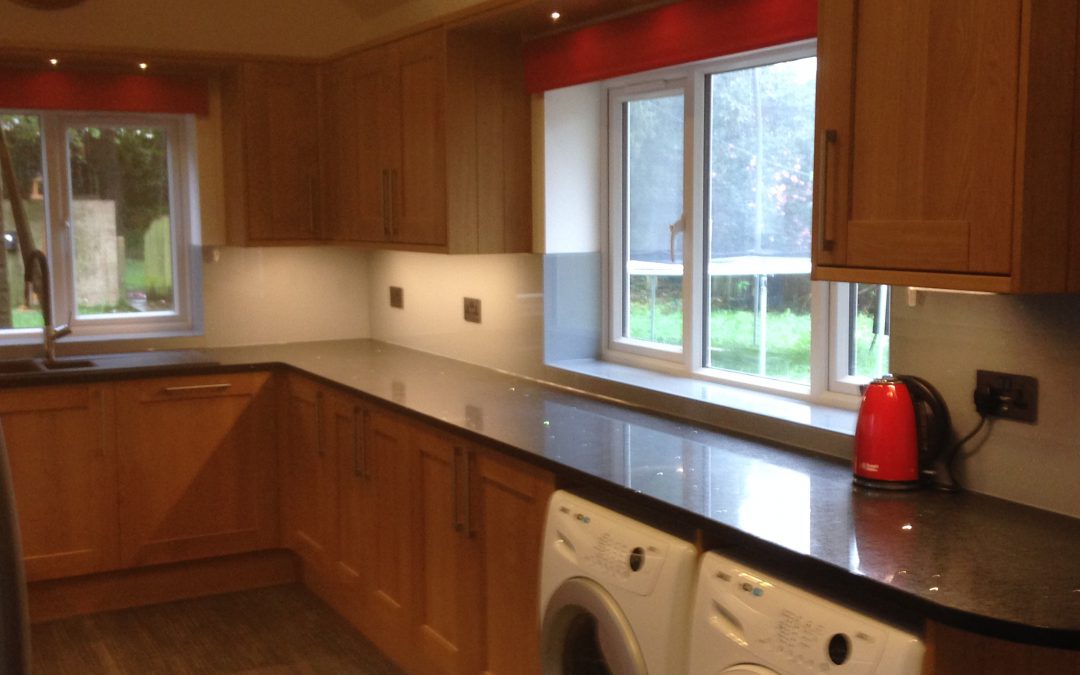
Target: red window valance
[(61, 90), (683, 32)]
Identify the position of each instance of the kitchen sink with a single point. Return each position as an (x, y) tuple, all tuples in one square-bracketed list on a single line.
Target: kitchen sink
[(39, 365), (15, 366), (65, 364)]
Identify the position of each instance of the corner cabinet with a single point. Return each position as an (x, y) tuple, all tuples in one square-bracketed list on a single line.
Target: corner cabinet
[(270, 114), (436, 539), (196, 476), (945, 144), (430, 139)]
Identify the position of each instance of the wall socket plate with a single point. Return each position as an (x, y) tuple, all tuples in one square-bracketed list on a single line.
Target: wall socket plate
[(1007, 396), (472, 310), (397, 297)]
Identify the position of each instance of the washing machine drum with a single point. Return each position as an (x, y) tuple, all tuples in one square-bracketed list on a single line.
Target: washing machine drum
[(586, 633)]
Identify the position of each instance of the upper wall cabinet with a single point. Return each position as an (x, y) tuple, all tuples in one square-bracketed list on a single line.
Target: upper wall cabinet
[(270, 115), (428, 142), (945, 144)]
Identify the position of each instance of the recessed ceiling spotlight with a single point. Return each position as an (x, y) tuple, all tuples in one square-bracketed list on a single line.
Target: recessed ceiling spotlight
[(555, 16), (143, 66), (54, 62)]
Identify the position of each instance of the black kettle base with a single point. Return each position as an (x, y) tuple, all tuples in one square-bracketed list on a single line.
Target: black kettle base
[(895, 485)]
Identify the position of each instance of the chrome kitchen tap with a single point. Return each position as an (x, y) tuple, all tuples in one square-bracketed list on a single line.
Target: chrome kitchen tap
[(42, 286)]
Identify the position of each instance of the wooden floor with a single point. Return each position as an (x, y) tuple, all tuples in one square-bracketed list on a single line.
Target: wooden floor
[(271, 631)]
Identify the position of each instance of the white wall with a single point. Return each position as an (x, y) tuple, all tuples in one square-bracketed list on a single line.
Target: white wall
[(947, 337), (510, 287)]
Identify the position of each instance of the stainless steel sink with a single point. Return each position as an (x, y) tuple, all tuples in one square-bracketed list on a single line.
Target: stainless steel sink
[(15, 366), (65, 364), (40, 365)]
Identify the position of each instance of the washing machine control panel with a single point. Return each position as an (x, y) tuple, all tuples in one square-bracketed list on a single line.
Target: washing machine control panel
[(742, 615), (614, 551)]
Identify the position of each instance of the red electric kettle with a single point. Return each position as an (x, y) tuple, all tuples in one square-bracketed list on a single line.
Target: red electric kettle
[(903, 427)]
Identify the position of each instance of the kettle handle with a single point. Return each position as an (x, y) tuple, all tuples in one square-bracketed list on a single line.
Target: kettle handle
[(937, 434)]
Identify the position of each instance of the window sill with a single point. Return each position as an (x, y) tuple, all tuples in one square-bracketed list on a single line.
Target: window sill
[(810, 426)]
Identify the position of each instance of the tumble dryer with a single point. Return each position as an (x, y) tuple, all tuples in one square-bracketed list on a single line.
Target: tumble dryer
[(746, 623), (614, 593)]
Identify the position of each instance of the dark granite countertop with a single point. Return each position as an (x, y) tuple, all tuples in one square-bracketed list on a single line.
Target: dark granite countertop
[(968, 560)]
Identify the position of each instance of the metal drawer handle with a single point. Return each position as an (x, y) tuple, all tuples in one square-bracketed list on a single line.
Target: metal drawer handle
[(197, 387)]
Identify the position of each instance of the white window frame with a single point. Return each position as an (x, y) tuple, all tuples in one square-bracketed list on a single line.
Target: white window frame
[(829, 384), (186, 317)]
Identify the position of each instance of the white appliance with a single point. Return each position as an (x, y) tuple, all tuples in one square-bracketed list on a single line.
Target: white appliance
[(614, 593), (746, 623)]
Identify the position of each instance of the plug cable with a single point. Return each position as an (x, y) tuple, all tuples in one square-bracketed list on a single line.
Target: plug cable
[(954, 484)]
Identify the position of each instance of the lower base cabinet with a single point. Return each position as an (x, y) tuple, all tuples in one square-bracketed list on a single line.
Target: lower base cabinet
[(62, 451), (438, 542), (195, 464)]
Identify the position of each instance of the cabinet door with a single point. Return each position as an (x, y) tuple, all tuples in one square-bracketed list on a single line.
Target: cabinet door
[(418, 180), (448, 601), (388, 569), (309, 489), (197, 469), (61, 447), (358, 144), (917, 135), (278, 106), (507, 517)]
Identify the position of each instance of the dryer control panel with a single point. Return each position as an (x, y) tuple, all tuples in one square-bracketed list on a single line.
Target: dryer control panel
[(741, 616)]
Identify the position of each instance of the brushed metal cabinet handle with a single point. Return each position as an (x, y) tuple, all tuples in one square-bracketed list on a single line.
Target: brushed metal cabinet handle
[(197, 387), (458, 522), (828, 138), (470, 530), (311, 205), (384, 206), (394, 216), (319, 435)]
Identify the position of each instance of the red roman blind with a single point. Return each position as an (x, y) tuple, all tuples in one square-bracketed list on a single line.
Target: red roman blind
[(60, 90), (679, 33)]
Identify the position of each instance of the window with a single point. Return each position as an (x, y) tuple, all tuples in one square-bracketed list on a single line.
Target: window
[(710, 186), (110, 200)]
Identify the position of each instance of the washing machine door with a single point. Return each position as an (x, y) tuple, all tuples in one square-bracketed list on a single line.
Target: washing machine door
[(586, 633)]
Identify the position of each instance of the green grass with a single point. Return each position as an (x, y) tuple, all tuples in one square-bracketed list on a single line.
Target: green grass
[(134, 280), (787, 340)]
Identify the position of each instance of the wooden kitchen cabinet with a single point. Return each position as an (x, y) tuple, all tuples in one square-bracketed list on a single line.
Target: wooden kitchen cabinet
[(510, 503), (449, 615), (197, 476), (271, 118), (309, 461), (944, 148), (480, 522), (432, 137), (951, 651), (377, 524), (61, 442)]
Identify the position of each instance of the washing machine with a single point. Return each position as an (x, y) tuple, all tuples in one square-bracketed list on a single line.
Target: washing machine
[(746, 623), (615, 594)]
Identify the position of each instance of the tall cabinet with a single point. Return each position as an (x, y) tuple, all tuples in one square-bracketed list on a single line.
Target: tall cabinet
[(431, 138), (945, 142)]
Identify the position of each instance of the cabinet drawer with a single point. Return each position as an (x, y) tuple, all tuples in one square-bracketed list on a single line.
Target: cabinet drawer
[(198, 386)]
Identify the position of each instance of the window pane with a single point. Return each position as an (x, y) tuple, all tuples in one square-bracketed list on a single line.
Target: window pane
[(652, 225), (760, 154), (23, 136), (868, 338), (121, 219)]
